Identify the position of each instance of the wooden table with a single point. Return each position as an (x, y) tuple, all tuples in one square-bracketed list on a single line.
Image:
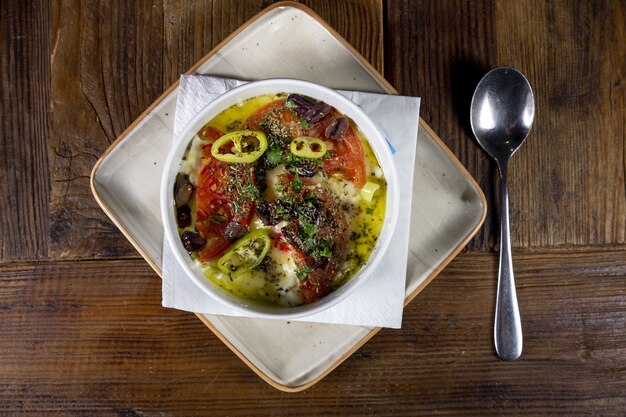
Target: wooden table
[(82, 327)]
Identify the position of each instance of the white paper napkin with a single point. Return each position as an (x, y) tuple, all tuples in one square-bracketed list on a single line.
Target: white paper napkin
[(379, 302)]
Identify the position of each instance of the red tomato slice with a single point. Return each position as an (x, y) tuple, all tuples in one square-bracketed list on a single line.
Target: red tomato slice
[(348, 161), (212, 210), (215, 246), (316, 284), (254, 121), (214, 205), (212, 134)]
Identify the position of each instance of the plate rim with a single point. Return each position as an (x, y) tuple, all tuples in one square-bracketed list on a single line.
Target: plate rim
[(376, 75)]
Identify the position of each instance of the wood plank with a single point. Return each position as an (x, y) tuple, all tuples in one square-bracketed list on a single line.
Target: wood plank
[(567, 182), (192, 30), (439, 51), (106, 69), (576, 194), (91, 338), (24, 126)]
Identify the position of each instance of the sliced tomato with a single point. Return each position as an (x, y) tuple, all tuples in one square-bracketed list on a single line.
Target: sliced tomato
[(212, 229), (211, 181), (254, 121), (212, 133), (215, 246), (287, 117), (317, 282), (282, 244), (215, 206), (348, 160)]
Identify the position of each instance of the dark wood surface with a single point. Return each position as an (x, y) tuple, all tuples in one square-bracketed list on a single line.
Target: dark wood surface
[(82, 329)]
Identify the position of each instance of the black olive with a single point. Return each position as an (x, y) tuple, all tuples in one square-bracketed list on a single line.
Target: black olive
[(290, 233), (337, 129), (234, 231), (301, 104), (306, 171), (183, 216), (317, 112), (183, 189), (264, 212), (192, 241)]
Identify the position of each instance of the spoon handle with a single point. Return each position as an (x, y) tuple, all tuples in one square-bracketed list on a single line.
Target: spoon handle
[(508, 326)]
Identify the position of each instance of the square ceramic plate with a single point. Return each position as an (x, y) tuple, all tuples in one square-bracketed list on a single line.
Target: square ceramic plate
[(448, 206)]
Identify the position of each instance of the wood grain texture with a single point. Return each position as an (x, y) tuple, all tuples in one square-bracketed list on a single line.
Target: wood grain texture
[(192, 30), (106, 69), (571, 56), (24, 127), (90, 338), (439, 51), (567, 182)]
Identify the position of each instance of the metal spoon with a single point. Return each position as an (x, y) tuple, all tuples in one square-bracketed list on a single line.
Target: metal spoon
[(502, 113)]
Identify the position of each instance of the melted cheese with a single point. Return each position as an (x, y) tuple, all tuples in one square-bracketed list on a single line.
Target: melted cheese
[(343, 191), (271, 181), (191, 164)]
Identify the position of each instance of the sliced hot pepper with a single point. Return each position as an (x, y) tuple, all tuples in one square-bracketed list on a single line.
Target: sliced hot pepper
[(242, 146), (308, 147), (246, 254)]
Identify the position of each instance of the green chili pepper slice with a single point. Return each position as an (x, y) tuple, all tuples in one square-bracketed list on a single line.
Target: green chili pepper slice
[(242, 146), (246, 254), (308, 147)]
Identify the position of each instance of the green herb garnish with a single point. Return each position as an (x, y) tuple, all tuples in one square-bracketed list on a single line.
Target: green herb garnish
[(303, 273), (216, 218), (306, 228), (274, 155), (326, 252), (296, 185)]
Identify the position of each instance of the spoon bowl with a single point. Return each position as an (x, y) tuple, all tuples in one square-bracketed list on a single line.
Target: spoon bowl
[(502, 111), (501, 114)]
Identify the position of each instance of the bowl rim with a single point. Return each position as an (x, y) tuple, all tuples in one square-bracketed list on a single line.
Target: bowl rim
[(372, 134)]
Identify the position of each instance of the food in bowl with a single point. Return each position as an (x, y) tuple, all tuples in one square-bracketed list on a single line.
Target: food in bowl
[(279, 199)]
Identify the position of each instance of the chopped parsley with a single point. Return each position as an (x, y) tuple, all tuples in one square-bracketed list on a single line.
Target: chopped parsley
[(296, 185), (291, 105), (319, 247), (304, 123), (216, 218), (326, 252), (287, 199), (274, 155), (306, 228), (303, 273), (240, 187)]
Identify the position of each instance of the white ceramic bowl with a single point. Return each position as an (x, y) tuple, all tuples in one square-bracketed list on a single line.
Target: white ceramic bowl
[(253, 89)]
